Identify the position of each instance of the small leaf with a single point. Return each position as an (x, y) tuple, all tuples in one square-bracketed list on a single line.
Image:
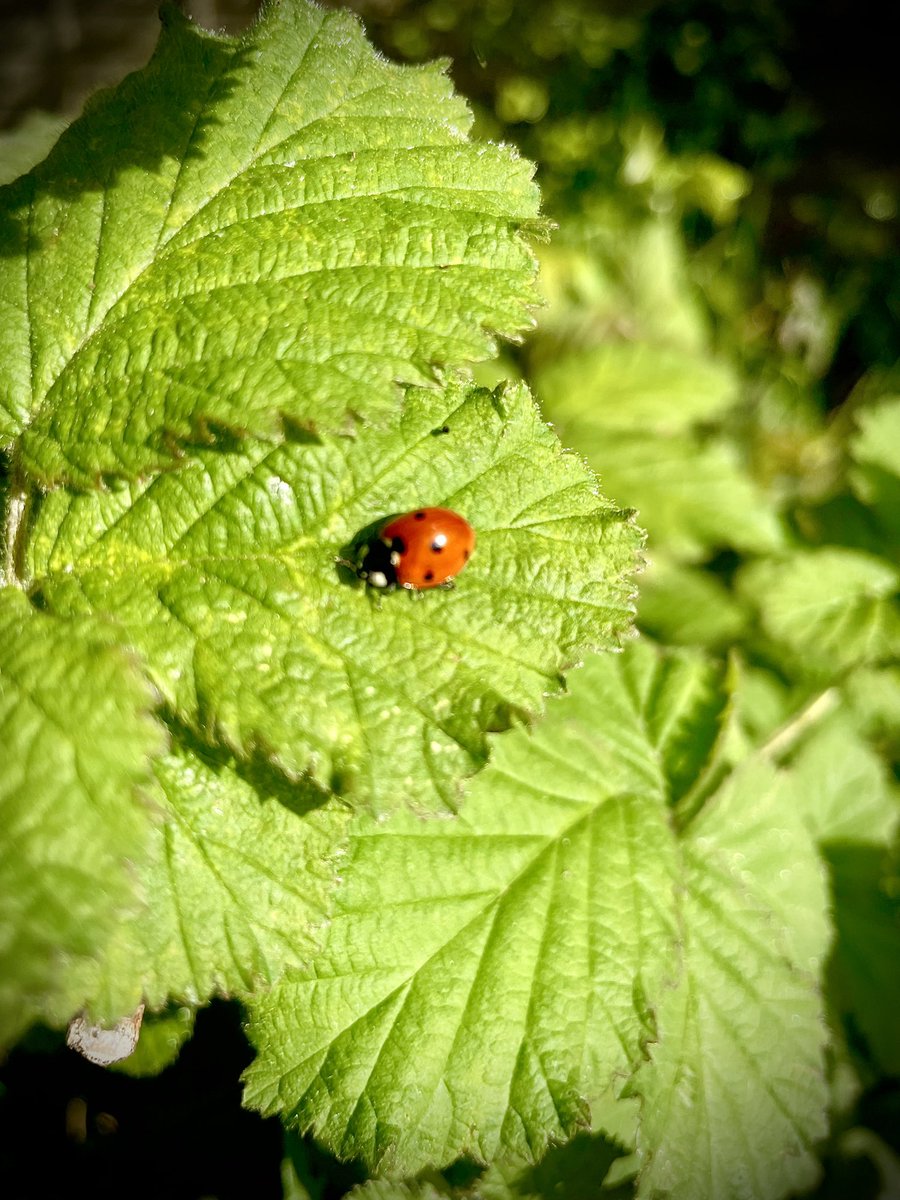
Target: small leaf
[(224, 576), (161, 1038), (692, 496), (877, 442), (77, 738), (874, 697), (827, 609), (568, 1172), (734, 1093), (843, 792), (612, 270), (687, 606), (236, 886), (388, 1189), (279, 225), (875, 475), (840, 787), (634, 386)]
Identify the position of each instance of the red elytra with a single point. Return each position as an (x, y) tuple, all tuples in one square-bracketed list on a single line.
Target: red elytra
[(422, 549)]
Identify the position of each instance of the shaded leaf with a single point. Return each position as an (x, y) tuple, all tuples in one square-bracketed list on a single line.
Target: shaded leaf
[(692, 496), (634, 386)]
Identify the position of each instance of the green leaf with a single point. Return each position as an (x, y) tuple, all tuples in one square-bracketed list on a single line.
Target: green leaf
[(612, 270), (568, 1172), (223, 575), (236, 887), (875, 475), (877, 442), (540, 941), (687, 606), (634, 386), (159, 1044), (77, 738), (692, 496), (485, 977), (865, 972), (30, 141), (277, 226), (842, 790), (874, 696), (827, 609), (388, 1189), (734, 1092)]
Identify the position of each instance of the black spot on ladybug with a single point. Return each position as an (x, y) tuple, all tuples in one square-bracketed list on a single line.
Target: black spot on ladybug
[(398, 545), (429, 575), (437, 547), (419, 516), (465, 554)]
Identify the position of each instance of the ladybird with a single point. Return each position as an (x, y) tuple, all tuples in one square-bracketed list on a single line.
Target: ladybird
[(422, 549)]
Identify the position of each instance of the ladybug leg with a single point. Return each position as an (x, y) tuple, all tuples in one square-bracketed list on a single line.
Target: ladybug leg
[(350, 566), (448, 585)]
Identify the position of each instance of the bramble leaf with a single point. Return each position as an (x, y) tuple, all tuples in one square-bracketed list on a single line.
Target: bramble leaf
[(845, 796), (223, 575), (875, 473), (685, 605), (734, 1093), (634, 386), (159, 1044), (235, 885), (275, 226), (77, 739), (827, 609), (486, 976), (533, 951), (693, 496)]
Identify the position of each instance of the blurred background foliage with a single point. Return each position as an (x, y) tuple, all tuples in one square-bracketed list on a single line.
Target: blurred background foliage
[(720, 340)]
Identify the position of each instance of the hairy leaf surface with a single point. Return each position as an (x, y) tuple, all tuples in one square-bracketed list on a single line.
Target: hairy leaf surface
[(275, 226), (224, 576), (77, 738)]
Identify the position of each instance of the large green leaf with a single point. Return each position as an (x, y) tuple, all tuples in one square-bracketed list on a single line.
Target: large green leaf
[(280, 225), (76, 738), (486, 977), (224, 576), (555, 934), (543, 943)]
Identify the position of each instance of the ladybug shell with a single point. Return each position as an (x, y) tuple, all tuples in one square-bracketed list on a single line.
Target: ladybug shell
[(428, 546)]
